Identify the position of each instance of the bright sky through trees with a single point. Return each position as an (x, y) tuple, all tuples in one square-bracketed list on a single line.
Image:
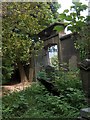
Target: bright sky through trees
[(66, 5)]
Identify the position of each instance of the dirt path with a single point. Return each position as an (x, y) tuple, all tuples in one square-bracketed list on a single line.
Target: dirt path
[(11, 88)]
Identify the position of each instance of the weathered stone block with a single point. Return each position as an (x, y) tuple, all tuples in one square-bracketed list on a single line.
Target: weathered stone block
[(85, 113)]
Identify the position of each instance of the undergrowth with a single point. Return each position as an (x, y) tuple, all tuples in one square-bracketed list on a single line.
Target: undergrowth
[(37, 102)]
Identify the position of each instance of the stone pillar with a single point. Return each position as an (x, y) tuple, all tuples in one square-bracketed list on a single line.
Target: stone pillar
[(85, 77), (60, 57), (45, 57)]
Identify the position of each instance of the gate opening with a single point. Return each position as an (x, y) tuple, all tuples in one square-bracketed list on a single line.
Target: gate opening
[(53, 55)]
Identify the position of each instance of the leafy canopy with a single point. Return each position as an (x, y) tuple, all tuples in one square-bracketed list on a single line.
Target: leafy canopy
[(20, 24)]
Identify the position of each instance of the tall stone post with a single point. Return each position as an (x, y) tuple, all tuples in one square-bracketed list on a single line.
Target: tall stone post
[(59, 45), (85, 77)]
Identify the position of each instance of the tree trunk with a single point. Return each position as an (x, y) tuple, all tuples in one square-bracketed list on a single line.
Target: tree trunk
[(22, 72), (31, 69)]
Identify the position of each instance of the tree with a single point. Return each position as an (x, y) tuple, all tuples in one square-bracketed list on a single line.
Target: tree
[(73, 18), (77, 23), (20, 24), (54, 8)]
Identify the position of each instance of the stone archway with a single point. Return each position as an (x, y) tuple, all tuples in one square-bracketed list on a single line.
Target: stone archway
[(49, 43), (43, 57), (65, 46)]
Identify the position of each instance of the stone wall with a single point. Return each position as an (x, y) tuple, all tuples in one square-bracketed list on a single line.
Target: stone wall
[(69, 53)]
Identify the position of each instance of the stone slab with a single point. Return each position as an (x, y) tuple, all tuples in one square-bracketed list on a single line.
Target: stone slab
[(85, 113)]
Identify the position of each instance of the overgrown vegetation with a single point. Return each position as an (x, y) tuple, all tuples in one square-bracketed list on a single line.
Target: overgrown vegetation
[(54, 62), (21, 22), (37, 102)]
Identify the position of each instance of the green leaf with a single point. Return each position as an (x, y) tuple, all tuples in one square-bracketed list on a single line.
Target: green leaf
[(62, 16), (66, 11), (58, 28), (70, 28), (69, 18)]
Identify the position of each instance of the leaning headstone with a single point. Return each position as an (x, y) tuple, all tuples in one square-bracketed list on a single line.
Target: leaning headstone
[(73, 63), (49, 86)]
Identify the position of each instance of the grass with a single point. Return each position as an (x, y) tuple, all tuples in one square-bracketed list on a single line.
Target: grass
[(37, 102)]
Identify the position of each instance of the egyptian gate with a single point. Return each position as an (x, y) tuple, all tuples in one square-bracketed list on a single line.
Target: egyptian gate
[(65, 45)]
